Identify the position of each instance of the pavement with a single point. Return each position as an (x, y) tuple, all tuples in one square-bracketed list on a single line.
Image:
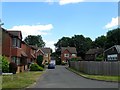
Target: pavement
[(60, 77)]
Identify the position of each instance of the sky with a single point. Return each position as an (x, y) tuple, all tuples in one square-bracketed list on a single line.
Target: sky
[(64, 18)]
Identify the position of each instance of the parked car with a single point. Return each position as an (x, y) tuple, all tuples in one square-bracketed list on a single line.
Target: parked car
[(51, 66)]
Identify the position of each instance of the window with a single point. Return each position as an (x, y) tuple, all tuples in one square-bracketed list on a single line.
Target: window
[(46, 55), (112, 57), (16, 42), (66, 55), (73, 55), (16, 60)]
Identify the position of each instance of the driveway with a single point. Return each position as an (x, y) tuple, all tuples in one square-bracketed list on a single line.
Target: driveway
[(60, 77)]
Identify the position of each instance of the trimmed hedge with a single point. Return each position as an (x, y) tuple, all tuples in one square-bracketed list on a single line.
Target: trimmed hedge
[(13, 67), (35, 67)]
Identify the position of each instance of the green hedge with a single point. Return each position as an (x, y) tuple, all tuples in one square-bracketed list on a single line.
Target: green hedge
[(35, 67), (100, 57), (5, 64), (74, 59)]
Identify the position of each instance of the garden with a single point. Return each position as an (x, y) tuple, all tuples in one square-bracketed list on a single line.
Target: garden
[(18, 80)]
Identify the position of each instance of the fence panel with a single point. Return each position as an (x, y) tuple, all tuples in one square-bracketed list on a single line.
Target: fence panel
[(97, 68)]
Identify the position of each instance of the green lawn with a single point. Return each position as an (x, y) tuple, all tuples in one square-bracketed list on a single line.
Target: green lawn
[(20, 80), (97, 77)]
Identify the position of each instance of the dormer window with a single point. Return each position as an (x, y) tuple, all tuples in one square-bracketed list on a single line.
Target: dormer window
[(16, 42)]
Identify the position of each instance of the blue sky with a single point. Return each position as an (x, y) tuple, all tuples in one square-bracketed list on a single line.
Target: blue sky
[(55, 20)]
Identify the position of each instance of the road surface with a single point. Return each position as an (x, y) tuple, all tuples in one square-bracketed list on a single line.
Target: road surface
[(60, 77)]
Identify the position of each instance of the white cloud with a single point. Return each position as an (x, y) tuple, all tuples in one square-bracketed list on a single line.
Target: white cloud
[(113, 23), (33, 29), (63, 2), (50, 44)]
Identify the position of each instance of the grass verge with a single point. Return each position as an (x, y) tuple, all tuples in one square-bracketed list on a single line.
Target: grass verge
[(97, 77), (20, 80)]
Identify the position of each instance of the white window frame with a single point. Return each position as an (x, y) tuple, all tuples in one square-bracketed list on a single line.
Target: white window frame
[(66, 55), (112, 57)]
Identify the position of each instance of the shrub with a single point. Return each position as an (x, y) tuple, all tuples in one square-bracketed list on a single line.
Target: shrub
[(35, 67), (42, 65), (74, 59), (12, 67), (5, 64), (100, 58)]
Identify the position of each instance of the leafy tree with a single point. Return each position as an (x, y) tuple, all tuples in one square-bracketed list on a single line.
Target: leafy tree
[(100, 42), (35, 40), (63, 42), (113, 37), (81, 43)]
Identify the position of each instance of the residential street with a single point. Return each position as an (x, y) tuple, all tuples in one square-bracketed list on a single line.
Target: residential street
[(60, 77)]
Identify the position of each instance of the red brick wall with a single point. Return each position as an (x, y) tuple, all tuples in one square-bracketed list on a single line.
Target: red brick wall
[(16, 52), (62, 55), (6, 44)]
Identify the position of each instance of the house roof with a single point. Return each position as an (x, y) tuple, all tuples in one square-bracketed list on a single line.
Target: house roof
[(16, 33), (116, 46), (94, 51), (23, 54), (13, 35), (32, 55), (46, 50), (70, 49)]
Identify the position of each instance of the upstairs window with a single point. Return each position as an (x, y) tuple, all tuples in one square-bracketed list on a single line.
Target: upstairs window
[(16, 42), (66, 55)]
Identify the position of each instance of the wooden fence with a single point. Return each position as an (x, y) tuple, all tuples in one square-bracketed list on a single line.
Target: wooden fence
[(96, 68)]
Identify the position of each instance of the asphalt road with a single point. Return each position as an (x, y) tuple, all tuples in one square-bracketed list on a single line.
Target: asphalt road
[(60, 77)]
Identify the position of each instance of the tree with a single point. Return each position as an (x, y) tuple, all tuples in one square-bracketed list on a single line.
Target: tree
[(63, 42), (81, 43), (39, 60), (35, 40), (100, 42), (113, 38)]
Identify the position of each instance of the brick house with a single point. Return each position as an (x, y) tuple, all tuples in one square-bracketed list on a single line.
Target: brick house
[(112, 53), (11, 48), (91, 54), (46, 53), (68, 53)]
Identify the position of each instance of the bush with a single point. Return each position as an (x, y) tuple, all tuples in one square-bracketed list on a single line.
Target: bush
[(12, 67), (75, 59), (5, 64), (100, 58), (35, 67), (43, 66)]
